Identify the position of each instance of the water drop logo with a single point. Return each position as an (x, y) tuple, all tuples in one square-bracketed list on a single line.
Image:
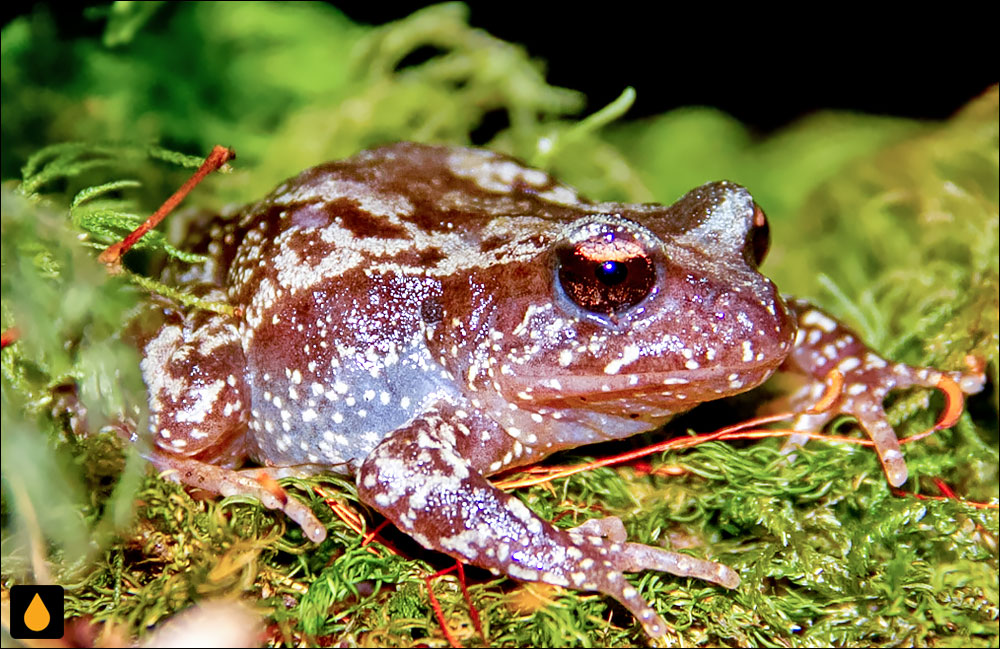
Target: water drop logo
[(36, 612), (37, 616)]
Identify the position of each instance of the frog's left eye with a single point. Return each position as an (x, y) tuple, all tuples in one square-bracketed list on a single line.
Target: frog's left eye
[(606, 274)]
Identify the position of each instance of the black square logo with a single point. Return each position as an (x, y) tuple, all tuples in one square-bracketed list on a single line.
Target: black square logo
[(36, 612)]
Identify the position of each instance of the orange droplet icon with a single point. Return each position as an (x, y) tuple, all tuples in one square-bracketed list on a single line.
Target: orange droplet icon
[(36, 617)]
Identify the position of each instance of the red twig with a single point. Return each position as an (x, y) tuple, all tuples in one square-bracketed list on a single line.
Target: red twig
[(439, 613), (953, 496), (371, 536), (218, 157), (944, 488), (468, 602), (954, 402), (436, 605), (9, 336)]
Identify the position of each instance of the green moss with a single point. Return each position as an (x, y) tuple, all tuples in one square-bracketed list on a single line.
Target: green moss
[(890, 224)]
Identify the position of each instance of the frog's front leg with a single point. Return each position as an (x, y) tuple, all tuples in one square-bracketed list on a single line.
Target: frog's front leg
[(420, 479), (823, 344)]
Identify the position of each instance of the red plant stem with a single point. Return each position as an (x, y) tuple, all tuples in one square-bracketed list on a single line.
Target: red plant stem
[(9, 336), (439, 613), (218, 157), (945, 490), (371, 536), (436, 605)]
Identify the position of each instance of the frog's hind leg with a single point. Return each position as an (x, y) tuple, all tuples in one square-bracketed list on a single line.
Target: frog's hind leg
[(823, 344), (200, 408), (418, 478)]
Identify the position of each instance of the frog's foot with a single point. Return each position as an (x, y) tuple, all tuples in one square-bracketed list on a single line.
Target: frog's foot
[(637, 556), (418, 479), (822, 345), (256, 483)]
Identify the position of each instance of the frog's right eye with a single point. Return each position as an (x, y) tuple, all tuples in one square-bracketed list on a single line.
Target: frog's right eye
[(607, 274)]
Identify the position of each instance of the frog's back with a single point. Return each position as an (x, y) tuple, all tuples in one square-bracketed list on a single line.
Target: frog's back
[(339, 273)]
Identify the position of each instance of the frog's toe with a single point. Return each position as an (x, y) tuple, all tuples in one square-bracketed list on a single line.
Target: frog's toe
[(610, 528), (253, 483), (871, 416), (636, 556)]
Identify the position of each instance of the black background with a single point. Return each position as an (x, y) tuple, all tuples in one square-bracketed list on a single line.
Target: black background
[(766, 67)]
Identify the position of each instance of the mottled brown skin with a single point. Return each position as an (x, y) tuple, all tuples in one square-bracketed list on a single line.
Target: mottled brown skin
[(427, 316)]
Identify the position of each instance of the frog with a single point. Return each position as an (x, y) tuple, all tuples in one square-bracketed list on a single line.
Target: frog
[(424, 316)]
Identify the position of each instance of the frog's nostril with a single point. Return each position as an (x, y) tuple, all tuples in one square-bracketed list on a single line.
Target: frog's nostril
[(758, 238)]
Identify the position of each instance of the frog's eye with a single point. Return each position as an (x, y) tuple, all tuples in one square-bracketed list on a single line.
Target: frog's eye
[(758, 238), (606, 274)]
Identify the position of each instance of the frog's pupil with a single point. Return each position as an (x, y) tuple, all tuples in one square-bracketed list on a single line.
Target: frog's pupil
[(611, 272)]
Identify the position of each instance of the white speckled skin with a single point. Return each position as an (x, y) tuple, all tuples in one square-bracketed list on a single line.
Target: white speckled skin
[(404, 317)]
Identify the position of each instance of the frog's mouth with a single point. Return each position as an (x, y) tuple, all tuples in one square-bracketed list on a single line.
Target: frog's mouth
[(654, 393)]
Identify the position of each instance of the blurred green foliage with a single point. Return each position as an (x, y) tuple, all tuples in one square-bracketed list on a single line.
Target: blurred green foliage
[(890, 224)]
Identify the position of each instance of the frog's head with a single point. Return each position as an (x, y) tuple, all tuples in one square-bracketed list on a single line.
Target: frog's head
[(643, 309)]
